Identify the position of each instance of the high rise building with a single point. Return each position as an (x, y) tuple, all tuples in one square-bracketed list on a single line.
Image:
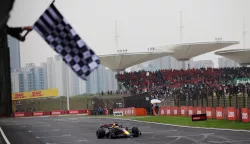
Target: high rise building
[(50, 72), (102, 79), (44, 67), (17, 81), (15, 62), (224, 62), (29, 78), (82, 87), (61, 76)]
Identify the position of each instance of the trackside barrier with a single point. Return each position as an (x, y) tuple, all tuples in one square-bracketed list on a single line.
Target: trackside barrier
[(57, 112), (219, 113), (19, 114), (42, 113), (38, 113), (129, 112), (77, 111)]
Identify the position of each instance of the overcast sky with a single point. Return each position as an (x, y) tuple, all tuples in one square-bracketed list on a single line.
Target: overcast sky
[(141, 23)]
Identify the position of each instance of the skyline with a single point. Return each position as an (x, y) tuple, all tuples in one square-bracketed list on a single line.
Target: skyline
[(156, 22)]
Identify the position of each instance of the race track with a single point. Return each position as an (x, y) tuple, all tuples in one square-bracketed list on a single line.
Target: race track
[(81, 130)]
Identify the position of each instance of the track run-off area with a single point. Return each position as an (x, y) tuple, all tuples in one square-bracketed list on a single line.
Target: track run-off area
[(81, 130)]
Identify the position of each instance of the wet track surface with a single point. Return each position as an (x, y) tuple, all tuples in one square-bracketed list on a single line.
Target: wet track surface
[(81, 130)]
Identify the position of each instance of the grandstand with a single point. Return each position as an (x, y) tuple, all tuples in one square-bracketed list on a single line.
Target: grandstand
[(192, 87)]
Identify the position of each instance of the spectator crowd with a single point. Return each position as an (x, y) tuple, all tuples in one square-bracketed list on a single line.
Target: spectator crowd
[(189, 84)]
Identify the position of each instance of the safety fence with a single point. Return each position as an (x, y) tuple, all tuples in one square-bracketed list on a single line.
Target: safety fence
[(219, 113), (240, 100)]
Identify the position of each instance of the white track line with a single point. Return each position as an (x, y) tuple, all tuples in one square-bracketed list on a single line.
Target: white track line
[(4, 137), (221, 129)]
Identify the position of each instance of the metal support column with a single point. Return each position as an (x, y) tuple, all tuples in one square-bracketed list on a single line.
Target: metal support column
[(5, 78)]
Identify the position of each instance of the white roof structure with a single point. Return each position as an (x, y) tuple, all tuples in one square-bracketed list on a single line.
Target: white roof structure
[(181, 52), (186, 51), (241, 56), (119, 62)]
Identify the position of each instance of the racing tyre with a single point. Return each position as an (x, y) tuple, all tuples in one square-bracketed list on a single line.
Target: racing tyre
[(111, 134), (135, 131), (100, 133)]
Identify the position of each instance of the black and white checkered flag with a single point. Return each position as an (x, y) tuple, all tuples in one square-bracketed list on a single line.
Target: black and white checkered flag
[(59, 34)]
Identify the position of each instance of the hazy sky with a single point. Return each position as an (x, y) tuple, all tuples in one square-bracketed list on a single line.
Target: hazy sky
[(141, 23)]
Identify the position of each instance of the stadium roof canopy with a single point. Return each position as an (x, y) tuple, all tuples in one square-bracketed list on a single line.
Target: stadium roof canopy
[(119, 62), (186, 51), (241, 56), (181, 52)]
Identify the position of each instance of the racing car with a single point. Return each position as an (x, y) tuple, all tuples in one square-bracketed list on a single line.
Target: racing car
[(114, 130)]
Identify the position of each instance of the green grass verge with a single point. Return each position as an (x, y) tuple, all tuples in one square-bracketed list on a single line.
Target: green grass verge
[(186, 121)]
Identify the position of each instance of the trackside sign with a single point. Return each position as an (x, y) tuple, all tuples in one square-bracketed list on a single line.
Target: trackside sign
[(118, 113), (241, 81)]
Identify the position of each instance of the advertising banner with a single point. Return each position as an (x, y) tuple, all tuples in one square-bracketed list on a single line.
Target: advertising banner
[(190, 111), (118, 112), (231, 113), (199, 117), (176, 111), (73, 112), (183, 110), (219, 115), (241, 80), (57, 112), (162, 111), (199, 110), (37, 113), (35, 94), (209, 112), (19, 114), (245, 114), (169, 111)]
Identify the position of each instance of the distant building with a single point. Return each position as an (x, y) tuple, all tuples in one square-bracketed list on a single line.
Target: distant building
[(224, 62), (17, 81), (61, 76), (101, 79), (202, 64), (50, 72), (14, 47), (29, 78)]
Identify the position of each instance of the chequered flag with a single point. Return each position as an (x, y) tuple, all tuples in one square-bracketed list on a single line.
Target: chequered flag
[(59, 34)]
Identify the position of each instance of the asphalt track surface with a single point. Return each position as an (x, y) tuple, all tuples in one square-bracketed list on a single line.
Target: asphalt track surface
[(81, 130)]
